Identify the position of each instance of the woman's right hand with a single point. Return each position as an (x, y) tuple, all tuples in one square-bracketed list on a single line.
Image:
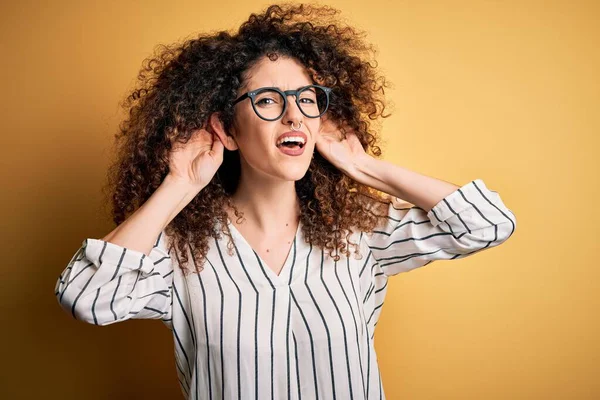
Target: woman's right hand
[(196, 161)]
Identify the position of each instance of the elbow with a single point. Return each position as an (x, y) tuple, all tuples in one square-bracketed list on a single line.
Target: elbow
[(506, 229), (485, 238), (69, 302), (495, 235), (78, 304)]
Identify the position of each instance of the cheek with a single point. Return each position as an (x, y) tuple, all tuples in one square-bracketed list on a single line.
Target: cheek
[(250, 133), (256, 144), (314, 126)]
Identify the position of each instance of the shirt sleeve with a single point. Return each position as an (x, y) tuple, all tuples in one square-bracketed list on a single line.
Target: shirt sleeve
[(106, 283), (468, 220)]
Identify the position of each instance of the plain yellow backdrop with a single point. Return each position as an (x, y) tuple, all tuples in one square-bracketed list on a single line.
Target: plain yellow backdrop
[(505, 91)]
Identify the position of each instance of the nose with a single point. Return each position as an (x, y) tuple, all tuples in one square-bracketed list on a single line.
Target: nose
[(292, 113)]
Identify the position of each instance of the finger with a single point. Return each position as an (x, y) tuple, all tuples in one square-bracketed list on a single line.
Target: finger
[(351, 136), (217, 146), (201, 135)]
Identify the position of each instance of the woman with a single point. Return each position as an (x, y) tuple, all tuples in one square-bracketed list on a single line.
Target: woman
[(246, 172)]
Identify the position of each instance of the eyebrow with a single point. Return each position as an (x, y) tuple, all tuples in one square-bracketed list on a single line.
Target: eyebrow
[(279, 87), (245, 88)]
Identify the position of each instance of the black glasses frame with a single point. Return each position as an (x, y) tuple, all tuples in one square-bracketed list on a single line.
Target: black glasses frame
[(284, 93)]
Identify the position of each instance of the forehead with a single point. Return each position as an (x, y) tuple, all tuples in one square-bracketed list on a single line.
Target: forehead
[(284, 73)]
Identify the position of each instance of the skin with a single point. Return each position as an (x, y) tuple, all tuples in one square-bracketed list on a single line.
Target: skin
[(266, 193)]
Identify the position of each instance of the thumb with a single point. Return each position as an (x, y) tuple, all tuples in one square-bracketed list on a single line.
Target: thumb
[(217, 145)]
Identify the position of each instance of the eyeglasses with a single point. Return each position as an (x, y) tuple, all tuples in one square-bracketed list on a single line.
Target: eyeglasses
[(270, 103)]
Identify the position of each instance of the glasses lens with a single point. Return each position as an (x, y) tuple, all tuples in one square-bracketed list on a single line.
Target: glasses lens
[(313, 101), (269, 104)]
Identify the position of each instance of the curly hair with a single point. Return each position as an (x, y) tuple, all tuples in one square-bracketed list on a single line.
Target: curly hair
[(182, 84)]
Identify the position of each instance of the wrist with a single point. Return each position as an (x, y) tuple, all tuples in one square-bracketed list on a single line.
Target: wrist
[(180, 189), (181, 184), (362, 168), (177, 193), (374, 173)]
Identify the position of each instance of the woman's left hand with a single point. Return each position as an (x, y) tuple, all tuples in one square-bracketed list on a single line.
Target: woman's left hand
[(345, 154)]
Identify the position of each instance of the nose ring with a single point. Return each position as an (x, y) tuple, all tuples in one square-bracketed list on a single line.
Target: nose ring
[(292, 126)]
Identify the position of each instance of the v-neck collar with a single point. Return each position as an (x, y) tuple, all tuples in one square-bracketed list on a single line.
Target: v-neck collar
[(283, 279)]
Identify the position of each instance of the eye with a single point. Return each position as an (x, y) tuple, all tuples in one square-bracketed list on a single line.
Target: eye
[(308, 97), (265, 101)]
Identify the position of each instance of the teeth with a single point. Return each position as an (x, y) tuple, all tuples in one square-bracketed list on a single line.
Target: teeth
[(298, 139)]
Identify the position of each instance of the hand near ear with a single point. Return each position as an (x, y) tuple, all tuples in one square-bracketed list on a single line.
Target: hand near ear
[(197, 161), (344, 153)]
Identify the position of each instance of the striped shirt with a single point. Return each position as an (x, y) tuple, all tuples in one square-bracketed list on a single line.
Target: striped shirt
[(243, 332)]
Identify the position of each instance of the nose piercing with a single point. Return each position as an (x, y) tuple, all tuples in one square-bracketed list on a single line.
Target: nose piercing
[(292, 126)]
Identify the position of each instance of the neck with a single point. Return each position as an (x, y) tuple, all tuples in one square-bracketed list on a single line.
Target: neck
[(267, 204)]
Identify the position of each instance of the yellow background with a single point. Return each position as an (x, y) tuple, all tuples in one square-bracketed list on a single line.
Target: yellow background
[(506, 91)]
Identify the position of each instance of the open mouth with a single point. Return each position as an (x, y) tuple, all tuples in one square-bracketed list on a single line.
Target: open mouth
[(291, 145)]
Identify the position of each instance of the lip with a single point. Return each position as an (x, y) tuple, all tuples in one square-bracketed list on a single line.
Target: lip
[(292, 152), (292, 133)]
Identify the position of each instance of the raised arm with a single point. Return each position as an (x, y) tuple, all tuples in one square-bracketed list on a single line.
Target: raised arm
[(467, 220), (128, 273)]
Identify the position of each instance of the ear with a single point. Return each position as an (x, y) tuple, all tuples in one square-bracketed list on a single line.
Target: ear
[(217, 126)]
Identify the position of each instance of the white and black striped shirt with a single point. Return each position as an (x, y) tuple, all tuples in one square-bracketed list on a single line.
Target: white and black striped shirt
[(243, 332)]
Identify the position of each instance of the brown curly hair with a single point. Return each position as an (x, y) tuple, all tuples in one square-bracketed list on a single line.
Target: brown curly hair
[(182, 84)]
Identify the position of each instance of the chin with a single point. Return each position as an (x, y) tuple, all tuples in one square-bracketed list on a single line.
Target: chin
[(295, 173)]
